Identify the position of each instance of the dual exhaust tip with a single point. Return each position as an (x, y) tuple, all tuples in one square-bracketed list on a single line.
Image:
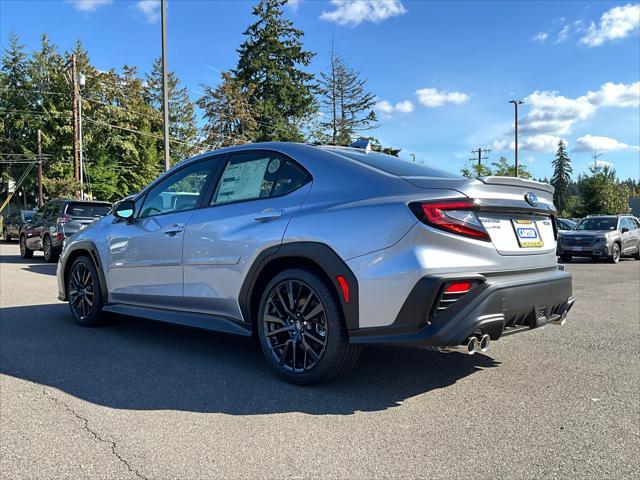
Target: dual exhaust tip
[(470, 346)]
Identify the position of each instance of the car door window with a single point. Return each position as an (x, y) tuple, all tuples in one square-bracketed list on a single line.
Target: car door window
[(255, 175), (178, 192), (623, 224)]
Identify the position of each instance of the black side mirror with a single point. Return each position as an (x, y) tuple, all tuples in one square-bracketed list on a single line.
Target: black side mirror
[(125, 209), (624, 230)]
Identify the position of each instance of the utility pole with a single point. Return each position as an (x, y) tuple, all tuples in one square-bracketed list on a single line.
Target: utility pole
[(479, 151), (74, 82), (165, 87), (40, 196), (515, 104), (82, 81)]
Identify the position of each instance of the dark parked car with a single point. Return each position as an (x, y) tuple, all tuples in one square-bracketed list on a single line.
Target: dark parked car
[(14, 222), (601, 237), (55, 221), (565, 224)]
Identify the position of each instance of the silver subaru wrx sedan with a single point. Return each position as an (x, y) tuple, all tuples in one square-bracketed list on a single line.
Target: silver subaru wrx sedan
[(320, 250)]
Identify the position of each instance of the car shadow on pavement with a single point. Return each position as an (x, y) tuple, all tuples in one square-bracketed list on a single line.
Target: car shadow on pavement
[(35, 265), (136, 364)]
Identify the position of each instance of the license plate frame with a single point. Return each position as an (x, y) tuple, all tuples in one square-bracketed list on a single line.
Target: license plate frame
[(576, 249), (527, 233)]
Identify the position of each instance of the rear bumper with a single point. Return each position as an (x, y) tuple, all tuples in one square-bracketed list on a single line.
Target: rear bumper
[(498, 305)]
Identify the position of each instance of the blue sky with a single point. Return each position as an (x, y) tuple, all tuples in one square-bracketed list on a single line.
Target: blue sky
[(442, 71)]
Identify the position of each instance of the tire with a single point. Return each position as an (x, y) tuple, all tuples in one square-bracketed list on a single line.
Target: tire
[(286, 318), (51, 254), (85, 294), (566, 258), (25, 252), (615, 253)]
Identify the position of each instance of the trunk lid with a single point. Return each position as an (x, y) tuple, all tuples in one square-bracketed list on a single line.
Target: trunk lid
[(515, 212)]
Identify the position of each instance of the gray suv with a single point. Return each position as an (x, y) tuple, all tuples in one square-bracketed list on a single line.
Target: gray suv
[(319, 251), (601, 237)]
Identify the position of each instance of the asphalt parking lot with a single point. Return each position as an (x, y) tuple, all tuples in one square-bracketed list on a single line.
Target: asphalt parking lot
[(136, 399)]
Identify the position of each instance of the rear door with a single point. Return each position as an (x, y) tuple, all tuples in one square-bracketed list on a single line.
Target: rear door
[(248, 210)]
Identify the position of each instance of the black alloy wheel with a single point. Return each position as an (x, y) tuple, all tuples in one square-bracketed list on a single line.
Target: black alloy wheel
[(50, 255), (85, 296), (301, 328), (295, 325)]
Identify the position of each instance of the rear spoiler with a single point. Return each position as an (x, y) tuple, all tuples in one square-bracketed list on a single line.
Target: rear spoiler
[(517, 182)]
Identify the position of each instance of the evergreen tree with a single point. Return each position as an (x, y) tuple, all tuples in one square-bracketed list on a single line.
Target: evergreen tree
[(271, 60), (183, 129), (349, 104), (229, 114), (561, 179)]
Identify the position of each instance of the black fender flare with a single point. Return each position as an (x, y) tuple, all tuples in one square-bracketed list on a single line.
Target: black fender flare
[(75, 250), (320, 254)]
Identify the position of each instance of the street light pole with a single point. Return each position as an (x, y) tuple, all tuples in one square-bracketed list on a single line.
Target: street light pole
[(165, 94), (515, 104)]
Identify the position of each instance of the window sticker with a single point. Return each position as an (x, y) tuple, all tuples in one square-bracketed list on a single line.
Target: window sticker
[(274, 165), (242, 181)]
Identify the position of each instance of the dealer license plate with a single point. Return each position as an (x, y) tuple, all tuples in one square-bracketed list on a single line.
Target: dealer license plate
[(527, 233)]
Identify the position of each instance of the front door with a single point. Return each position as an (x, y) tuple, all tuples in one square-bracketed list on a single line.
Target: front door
[(248, 211), (145, 257)]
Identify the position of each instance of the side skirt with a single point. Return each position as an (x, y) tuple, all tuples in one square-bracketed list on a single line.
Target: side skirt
[(189, 319)]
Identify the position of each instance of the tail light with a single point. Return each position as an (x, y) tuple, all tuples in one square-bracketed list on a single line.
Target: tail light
[(453, 216), (64, 219)]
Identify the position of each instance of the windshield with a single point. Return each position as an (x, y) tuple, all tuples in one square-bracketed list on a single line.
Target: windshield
[(84, 209), (598, 223), (391, 164)]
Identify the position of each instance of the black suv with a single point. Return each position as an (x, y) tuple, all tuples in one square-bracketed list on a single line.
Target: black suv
[(14, 222), (54, 222)]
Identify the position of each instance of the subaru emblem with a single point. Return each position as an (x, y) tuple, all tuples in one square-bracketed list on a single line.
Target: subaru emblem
[(531, 199)]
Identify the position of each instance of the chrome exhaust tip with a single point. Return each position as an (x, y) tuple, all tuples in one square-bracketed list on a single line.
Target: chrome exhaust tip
[(469, 346), (485, 340)]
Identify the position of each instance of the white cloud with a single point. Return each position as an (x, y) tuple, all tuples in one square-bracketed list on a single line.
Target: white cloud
[(293, 4), (88, 5), (150, 9), (432, 97), (540, 37), (386, 108), (555, 114), (616, 95), (564, 34), (589, 143), (354, 12), (617, 23), (540, 143)]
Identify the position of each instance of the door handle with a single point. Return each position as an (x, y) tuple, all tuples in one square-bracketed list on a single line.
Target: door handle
[(267, 215), (173, 229)]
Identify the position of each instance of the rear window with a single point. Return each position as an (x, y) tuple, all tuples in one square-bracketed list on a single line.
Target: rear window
[(393, 165), (27, 215), (598, 223), (83, 209)]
